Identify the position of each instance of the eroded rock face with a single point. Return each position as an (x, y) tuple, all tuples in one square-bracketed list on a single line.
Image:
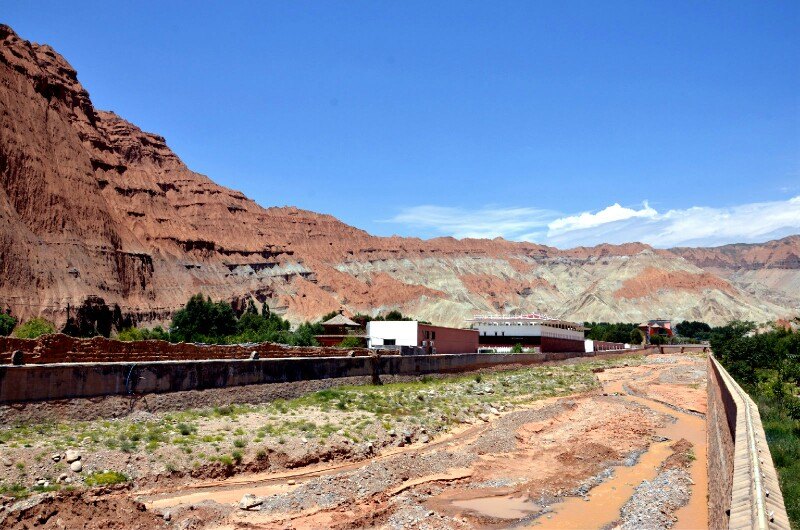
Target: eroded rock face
[(92, 206)]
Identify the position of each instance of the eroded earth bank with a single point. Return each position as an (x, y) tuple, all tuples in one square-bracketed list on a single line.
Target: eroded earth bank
[(616, 443)]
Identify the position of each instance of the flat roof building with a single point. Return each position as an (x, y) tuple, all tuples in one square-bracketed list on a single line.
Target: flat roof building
[(424, 337), (532, 331)]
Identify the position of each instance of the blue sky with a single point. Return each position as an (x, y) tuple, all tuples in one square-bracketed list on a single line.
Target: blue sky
[(564, 123)]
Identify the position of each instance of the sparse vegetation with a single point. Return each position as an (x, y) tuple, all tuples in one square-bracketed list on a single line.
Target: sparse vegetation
[(106, 478), (434, 403), (17, 491)]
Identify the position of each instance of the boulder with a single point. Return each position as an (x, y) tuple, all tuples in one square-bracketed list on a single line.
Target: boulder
[(250, 502), (17, 358), (76, 466), (72, 455)]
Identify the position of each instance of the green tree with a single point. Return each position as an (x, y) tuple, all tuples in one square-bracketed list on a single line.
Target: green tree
[(34, 328), (202, 320), (304, 335), (395, 315), (693, 330), (351, 342), (251, 307), (516, 348), (7, 323), (328, 316)]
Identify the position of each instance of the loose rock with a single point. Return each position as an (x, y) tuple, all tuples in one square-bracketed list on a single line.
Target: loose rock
[(250, 502)]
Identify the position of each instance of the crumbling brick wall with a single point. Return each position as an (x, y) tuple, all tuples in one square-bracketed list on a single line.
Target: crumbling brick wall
[(62, 348)]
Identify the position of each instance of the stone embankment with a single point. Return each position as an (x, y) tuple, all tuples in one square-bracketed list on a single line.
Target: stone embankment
[(744, 491)]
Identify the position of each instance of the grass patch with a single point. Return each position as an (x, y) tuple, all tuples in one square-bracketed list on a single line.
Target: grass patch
[(106, 478), (17, 491), (435, 403), (783, 438)]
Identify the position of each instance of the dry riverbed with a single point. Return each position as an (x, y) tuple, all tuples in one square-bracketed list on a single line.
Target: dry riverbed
[(527, 447)]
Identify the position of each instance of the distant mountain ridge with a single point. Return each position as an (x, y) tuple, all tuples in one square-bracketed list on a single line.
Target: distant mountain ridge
[(90, 205)]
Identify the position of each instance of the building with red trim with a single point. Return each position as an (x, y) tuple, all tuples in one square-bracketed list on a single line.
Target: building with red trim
[(424, 337), (533, 331)]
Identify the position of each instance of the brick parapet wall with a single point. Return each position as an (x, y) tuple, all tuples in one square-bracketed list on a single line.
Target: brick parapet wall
[(61, 348), (742, 479)]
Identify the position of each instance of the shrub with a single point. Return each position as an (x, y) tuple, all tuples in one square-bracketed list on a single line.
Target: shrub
[(106, 478), (130, 335), (350, 342), (517, 348), (7, 323), (34, 328)]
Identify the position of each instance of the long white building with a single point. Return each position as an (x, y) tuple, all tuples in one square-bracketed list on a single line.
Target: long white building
[(534, 330)]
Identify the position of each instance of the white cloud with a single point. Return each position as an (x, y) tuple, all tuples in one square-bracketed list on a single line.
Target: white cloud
[(487, 222), (611, 214), (696, 226)]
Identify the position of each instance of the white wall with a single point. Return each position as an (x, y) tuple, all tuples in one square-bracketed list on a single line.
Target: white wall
[(404, 332), (525, 329), (589, 345)]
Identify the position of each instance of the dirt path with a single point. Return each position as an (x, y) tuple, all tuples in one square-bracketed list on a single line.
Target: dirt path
[(598, 460)]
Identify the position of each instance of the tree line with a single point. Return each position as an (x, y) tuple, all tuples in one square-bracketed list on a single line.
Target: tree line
[(767, 365), (201, 320)]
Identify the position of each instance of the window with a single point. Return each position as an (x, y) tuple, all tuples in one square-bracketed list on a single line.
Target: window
[(389, 342), (433, 335)]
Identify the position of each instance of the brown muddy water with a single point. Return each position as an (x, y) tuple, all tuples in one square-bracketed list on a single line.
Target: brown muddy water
[(599, 509), (606, 500)]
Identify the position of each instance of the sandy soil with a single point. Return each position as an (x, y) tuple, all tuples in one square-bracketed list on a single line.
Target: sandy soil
[(629, 454)]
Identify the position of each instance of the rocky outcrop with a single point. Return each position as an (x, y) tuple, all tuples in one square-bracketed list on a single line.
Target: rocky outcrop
[(92, 207)]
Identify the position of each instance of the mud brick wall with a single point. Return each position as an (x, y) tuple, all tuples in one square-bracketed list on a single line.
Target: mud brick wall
[(743, 488), (47, 382), (64, 349)]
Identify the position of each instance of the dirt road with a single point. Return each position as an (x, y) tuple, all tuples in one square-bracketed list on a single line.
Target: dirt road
[(629, 454)]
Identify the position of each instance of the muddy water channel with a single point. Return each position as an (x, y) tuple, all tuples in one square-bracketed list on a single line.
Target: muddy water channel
[(631, 454), (601, 508)]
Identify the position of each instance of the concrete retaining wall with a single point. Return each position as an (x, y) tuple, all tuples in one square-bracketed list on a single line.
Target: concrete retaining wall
[(743, 485), (45, 382)]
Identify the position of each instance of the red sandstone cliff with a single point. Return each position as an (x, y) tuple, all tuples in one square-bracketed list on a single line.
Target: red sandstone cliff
[(92, 205)]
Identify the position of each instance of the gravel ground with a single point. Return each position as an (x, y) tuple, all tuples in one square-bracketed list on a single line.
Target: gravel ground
[(654, 502)]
